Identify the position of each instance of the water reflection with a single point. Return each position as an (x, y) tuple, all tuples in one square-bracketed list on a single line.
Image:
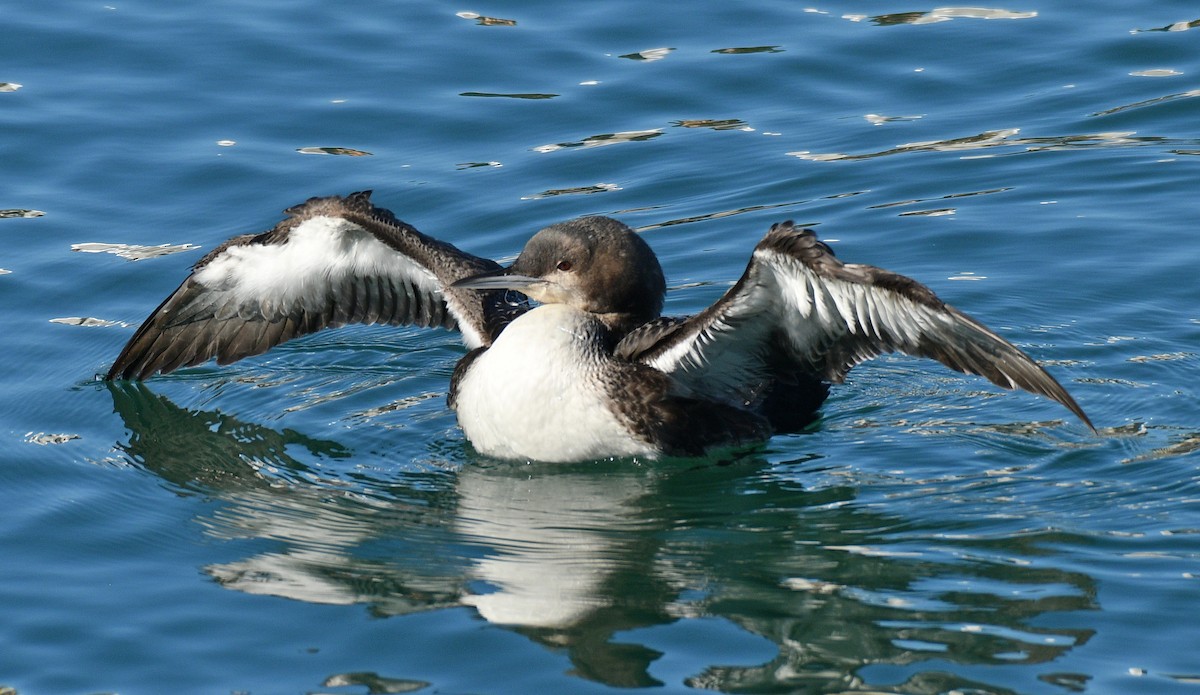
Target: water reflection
[(713, 123), (529, 95), (1173, 26), (587, 558), (944, 14), (1007, 138), (740, 50), (1191, 93), (342, 151), (603, 140), (133, 252), (575, 190), (20, 212), (649, 55), (485, 21)]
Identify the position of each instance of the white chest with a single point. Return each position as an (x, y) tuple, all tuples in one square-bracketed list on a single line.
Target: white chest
[(536, 393)]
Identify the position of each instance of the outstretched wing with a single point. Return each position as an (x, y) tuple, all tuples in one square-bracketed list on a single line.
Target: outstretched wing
[(799, 308), (332, 261)]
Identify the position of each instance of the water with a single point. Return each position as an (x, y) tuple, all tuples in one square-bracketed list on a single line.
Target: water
[(312, 520)]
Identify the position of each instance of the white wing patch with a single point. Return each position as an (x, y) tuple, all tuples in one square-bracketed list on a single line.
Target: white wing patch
[(798, 310), (271, 277), (818, 310), (326, 266), (782, 296), (723, 359)]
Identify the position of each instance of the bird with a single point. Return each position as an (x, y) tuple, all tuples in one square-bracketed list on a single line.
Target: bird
[(569, 357)]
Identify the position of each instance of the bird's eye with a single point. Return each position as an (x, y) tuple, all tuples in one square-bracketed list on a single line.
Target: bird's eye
[(564, 265)]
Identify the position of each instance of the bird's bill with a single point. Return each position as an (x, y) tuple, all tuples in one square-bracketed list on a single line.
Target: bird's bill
[(502, 279)]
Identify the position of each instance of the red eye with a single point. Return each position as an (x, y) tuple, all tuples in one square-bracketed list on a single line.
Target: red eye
[(564, 265)]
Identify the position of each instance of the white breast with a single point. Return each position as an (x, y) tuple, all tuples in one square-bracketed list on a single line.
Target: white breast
[(536, 394)]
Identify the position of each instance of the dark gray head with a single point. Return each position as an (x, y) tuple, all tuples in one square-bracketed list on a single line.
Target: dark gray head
[(595, 264)]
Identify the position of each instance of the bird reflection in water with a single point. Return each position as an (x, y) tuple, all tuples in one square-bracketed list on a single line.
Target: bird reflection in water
[(580, 558)]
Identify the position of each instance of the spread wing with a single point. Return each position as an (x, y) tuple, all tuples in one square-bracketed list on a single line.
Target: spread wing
[(799, 309), (331, 262)]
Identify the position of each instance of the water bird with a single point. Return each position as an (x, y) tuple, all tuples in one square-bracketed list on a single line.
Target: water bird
[(592, 370)]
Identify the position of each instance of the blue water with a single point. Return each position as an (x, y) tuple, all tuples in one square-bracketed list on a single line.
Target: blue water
[(312, 520)]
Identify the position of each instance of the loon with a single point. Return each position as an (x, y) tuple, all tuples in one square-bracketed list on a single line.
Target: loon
[(592, 370)]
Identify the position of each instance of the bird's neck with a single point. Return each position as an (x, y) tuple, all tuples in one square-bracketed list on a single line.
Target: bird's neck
[(619, 324)]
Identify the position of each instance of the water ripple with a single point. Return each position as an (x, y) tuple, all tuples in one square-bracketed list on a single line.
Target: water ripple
[(87, 321), (604, 139), (951, 196), (20, 212), (1148, 102), (1183, 444), (527, 95), (485, 21), (133, 252), (941, 14), (374, 683), (1007, 138), (344, 151), (720, 214), (649, 55), (1174, 26), (877, 119), (576, 190), (749, 49), (714, 124)]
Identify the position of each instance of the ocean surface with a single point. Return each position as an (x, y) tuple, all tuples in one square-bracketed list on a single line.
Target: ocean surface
[(313, 521)]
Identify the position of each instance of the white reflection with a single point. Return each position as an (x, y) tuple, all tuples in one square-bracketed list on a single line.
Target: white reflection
[(133, 252), (942, 14), (603, 140), (1158, 72), (584, 190), (1191, 93), (42, 438), (551, 541), (554, 539), (877, 119), (996, 138), (650, 54), (317, 537), (295, 574), (89, 321)]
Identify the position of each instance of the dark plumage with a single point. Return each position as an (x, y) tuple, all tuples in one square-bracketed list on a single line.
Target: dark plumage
[(758, 360), (200, 321)]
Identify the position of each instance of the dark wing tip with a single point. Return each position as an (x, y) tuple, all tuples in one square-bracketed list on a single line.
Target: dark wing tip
[(1071, 405), (968, 347), (224, 320), (1041, 382), (1048, 386), (358, 201), (802, 242), (122, 369)]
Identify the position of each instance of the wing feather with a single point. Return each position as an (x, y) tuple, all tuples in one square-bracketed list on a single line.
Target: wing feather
[(798, 302), (332, 261)]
